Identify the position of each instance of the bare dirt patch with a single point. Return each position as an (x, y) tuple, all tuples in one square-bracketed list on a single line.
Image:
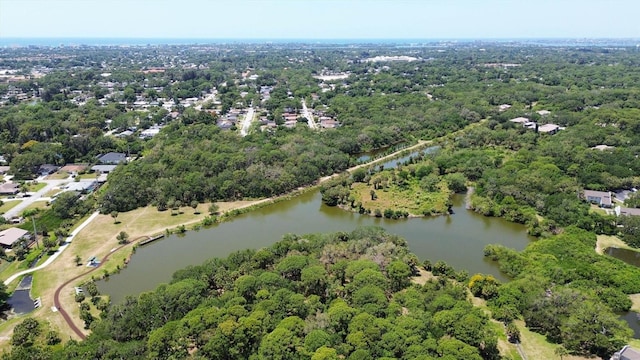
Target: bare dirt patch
[(423, 277)]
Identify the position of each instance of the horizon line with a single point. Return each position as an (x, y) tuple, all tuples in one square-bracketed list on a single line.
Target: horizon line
[(325, 38)]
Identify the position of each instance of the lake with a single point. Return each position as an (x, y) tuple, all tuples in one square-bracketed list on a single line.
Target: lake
[(629, 256), (457, 239)]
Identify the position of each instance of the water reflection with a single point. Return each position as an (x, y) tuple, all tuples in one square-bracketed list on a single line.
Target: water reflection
[(632, 319), (631, 257), (457, 239)]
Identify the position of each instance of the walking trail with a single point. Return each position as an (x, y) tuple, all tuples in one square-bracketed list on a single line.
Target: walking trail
[(58, 304), (53, 257)]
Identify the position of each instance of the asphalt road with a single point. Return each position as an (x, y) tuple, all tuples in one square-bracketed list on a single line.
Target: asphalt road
[(246, 123), (307, 114), (37, 196)]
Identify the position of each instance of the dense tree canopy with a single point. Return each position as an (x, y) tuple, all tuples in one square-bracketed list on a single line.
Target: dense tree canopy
[(305, 304)]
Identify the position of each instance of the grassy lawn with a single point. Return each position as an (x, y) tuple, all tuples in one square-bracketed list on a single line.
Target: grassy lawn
[(60, 175), (635, 343), (409, 198), (8, 269), (607, 241), (53, 192), (507, 349), (597, 209), (91, 176), (33, 187), (536, 346), (41, 204), (98, 239), (8, 205)]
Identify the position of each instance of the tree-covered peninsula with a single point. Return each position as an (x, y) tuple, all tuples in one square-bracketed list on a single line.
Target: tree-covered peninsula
[(319, 296)]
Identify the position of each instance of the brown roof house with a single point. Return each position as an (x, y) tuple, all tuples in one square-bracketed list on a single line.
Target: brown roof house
[(9, 236), (9, 188)]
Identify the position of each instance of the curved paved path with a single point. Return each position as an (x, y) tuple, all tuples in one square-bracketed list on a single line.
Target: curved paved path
[(56, 296), (56, 254)]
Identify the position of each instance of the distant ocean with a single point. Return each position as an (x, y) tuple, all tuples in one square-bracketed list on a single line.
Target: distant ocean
[(53, 42), (4, 42)]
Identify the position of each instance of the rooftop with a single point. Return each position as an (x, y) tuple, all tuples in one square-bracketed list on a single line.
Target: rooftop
[(604, 196), (9, 188), (628, 211), (548, 128), (11, 235), (603, 147), (629, 353), (520, 120), (112, 158)]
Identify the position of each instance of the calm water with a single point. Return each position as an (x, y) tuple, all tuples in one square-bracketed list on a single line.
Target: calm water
[(457, 239), (629, 256), (633, 320), (370, 155), (394, 163), (633, 258)]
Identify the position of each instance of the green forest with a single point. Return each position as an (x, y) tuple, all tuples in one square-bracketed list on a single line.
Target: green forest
[(317, 296), (345, 295), (350, 295)]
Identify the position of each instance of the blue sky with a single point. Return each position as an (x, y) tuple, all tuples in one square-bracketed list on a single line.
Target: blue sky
[(320, 19)]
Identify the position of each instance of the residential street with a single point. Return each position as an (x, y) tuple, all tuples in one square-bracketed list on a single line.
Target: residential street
[(308, 115), (37, 196), (246, 123)]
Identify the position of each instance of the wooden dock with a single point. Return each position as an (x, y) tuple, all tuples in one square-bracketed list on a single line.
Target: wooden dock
[(151, 239)]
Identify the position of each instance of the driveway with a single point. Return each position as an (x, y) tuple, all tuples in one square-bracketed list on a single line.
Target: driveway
[(37, 196)]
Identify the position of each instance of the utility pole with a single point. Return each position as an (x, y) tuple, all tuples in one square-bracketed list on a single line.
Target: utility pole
[(35, 233)]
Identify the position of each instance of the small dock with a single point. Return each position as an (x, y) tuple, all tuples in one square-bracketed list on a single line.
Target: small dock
[(151, 239)]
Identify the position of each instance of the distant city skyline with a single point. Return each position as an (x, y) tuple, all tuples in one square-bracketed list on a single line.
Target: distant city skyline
[(319, 19)]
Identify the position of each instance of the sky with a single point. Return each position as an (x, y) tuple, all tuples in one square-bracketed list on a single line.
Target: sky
[(320, 19)]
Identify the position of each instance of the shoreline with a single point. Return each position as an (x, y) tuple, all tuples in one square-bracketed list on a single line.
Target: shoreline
[(117, 258)]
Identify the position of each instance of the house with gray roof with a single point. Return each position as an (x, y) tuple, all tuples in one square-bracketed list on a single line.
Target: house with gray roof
[(103, 169), (627, 353), (623, 211), (112, 158), (600, 198)]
